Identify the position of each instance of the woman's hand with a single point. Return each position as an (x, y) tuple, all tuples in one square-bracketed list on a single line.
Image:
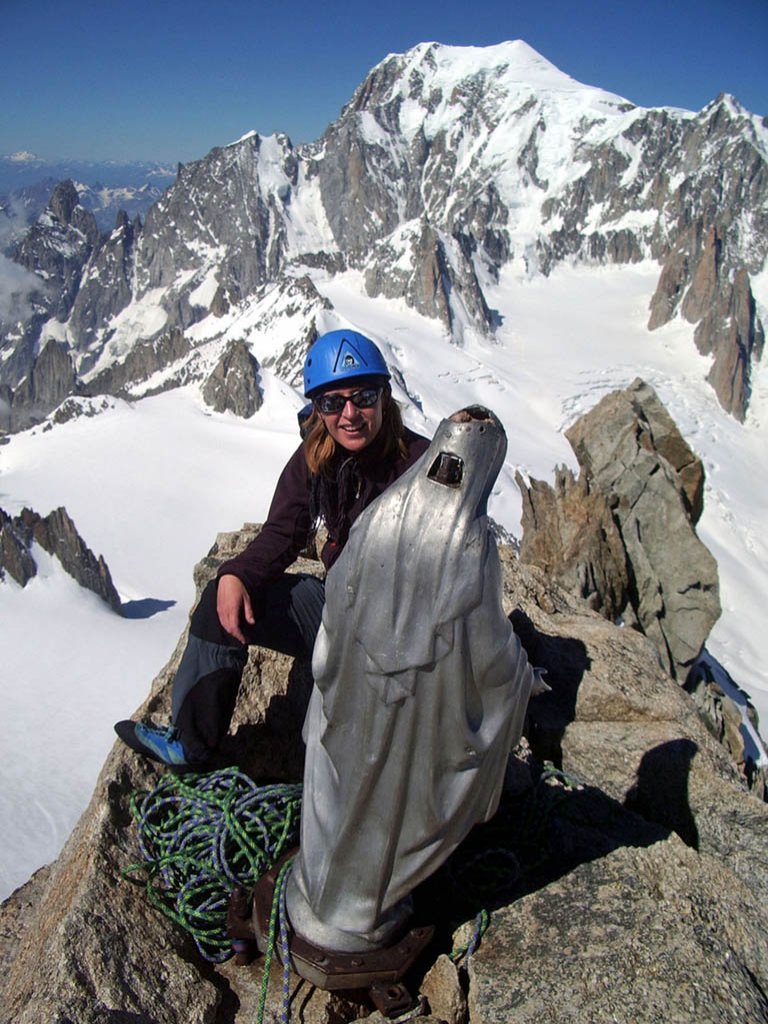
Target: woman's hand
[(233, 606)]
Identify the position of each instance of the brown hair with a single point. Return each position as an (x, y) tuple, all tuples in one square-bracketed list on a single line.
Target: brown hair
[(319, 446)]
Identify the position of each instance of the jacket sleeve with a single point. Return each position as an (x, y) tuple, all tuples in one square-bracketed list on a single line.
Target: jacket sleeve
[(284, 534), (417, 444)]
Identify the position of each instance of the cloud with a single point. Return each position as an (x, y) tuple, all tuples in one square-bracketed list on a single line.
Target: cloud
[(16, 283), (16, 287), (15, 219)]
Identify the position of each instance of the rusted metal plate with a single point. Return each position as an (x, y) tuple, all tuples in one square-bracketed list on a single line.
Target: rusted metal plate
[(330, 970)]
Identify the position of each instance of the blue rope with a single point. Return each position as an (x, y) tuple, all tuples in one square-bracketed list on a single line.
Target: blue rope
[(200, 836), (285, 953), (462, 955), (278, 930)]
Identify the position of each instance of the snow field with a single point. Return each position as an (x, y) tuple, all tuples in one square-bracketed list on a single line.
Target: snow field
[(149, 486)]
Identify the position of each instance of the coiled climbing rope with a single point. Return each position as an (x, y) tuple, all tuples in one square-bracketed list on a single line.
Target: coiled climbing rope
[(202, 835)]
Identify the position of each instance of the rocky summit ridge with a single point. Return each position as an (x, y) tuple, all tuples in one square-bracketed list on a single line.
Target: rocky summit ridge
[(625, 871), (628, 859), (447, 165)]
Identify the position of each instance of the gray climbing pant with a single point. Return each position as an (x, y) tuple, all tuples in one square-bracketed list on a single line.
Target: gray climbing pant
[(288, 614)]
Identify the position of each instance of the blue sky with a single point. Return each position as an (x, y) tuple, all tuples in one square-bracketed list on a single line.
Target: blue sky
[(170, 79)]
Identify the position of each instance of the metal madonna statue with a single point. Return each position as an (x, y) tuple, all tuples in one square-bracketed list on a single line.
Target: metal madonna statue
[(421, 688)]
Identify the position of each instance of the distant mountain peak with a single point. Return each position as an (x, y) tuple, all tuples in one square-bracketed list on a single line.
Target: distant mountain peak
[(23, 156), (447, 165), (514, 65)]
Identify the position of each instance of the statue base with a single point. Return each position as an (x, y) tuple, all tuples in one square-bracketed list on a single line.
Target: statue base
[(378, 970)]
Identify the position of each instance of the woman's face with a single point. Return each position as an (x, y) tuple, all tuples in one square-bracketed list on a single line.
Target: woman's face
[(354, 428)]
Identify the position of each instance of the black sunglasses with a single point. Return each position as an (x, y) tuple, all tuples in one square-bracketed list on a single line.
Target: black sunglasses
[(366, 398)]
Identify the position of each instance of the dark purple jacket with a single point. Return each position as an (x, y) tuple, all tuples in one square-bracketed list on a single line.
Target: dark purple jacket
[(289, 522)]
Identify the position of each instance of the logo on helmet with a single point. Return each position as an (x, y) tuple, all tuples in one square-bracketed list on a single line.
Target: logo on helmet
[(349, 361)]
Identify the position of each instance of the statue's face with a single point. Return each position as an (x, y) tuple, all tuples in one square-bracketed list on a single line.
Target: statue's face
[(354, 427)]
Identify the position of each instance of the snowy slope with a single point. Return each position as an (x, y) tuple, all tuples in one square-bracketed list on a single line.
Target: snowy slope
[(493, 146), (149, 485)]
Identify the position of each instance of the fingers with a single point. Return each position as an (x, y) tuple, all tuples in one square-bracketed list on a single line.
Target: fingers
[(235, 631), (232, 606), (248, 608)]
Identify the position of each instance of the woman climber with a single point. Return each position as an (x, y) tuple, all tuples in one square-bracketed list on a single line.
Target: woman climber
[(355, 445)]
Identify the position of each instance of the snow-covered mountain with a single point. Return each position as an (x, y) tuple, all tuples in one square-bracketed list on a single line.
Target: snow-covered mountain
[(504, 232), (25, 170), (22, 207), (448, 165), (105, 187)]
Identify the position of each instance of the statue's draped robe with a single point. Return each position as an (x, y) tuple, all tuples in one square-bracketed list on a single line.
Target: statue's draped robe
[(420, 692)]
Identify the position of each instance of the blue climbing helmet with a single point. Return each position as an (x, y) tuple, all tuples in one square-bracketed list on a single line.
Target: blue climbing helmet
[(339, 357)]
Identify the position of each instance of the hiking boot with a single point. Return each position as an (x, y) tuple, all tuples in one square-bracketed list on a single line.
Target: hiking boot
[(161, 745)]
